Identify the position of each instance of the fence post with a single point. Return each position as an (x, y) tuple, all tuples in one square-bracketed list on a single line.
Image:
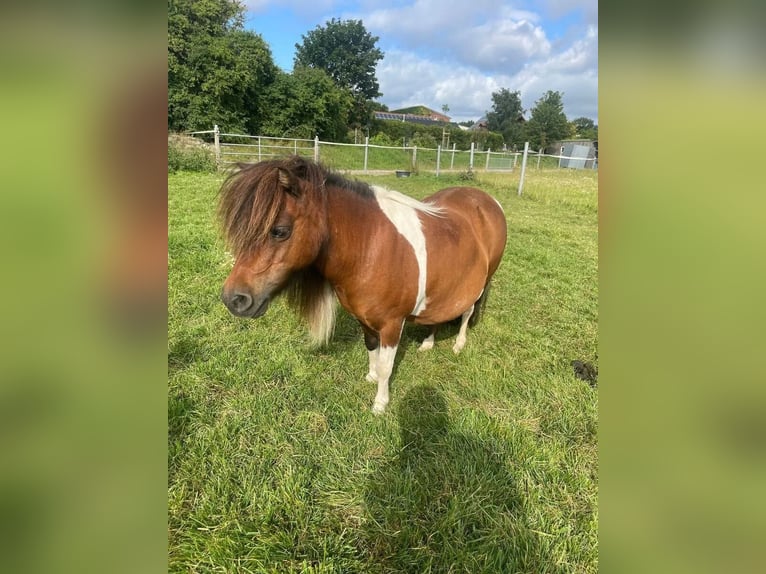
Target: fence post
[(316, 148), (438, 158), (259, 148), (470, 160), (452, 161), (366, 148), (539, 155), (523, 166), (515, 159), (217, 144), (489, 153), (414, 158)]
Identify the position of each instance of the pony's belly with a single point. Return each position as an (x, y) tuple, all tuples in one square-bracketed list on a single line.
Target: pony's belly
[(439, 312)]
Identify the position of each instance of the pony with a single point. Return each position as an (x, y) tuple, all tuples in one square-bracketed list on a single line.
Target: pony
[(296, 228)]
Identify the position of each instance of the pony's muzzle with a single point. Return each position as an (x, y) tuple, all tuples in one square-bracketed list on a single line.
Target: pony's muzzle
[(243, 305)]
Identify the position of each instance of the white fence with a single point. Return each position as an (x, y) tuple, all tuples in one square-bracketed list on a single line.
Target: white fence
[(234, 148)]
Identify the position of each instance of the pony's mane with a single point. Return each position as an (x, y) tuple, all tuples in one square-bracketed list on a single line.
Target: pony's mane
[(333, 179), (251, 197)]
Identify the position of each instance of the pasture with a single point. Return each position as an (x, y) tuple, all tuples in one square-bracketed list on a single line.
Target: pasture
[(484, 462)]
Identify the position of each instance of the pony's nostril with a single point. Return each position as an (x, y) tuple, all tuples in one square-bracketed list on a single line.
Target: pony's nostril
[(241, 302)]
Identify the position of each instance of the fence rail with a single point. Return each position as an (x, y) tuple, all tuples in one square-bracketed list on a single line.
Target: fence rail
[(234, 148)]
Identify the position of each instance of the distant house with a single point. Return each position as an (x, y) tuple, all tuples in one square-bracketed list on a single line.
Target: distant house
[(482, 124), (479, 125), (416, 115)]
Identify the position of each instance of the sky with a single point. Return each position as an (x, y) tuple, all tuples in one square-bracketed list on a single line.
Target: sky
[(458, 52)]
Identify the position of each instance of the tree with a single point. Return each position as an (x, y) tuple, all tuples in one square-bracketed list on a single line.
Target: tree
[(217, 71), (307, 103), (584, 128), (348, 53), (547, 122), (507, 116)]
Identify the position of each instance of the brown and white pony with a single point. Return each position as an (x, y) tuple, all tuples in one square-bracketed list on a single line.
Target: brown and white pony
[(295, 227)]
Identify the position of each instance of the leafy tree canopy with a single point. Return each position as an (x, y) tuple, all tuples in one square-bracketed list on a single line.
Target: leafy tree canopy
[(584, 128), (507, 116), (547, 122), (347, 52), (307, 103), (217, 71)]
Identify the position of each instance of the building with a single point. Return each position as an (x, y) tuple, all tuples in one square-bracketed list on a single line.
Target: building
[(416, 114), (480, 125)]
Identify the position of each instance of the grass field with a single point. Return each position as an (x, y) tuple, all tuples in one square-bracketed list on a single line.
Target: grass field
[(484, 462)]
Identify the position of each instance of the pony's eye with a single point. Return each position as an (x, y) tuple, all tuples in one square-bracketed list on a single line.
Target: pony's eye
[(280, 233)]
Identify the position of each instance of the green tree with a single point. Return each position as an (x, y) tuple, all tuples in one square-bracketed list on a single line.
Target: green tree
[(307, 103), (348, 53), (217, 71), (584, 128), (507, 116), (547, 122)]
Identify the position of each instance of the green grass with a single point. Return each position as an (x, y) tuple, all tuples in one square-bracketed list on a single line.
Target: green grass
[(484, 462)]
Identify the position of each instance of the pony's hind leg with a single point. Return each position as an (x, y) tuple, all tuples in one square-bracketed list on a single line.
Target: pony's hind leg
[(428, 342), (461, 336)]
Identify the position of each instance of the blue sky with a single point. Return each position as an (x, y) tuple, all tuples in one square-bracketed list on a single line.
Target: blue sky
[(457, 53)]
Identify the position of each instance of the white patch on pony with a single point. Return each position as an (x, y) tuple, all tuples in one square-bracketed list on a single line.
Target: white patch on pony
[(403, 212), (385, 365), (498, 203), (461, 336), (428, 343), (372, 374)]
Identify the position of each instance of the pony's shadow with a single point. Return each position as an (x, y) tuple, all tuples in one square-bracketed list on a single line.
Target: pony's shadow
[(444, 332), (445, 501), (184, 352)]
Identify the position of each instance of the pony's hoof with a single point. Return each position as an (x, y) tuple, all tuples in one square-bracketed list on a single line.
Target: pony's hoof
[(378, 408), (457, 348), (426, 346)]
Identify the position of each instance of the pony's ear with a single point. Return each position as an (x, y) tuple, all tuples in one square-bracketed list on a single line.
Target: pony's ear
[(288, 182)]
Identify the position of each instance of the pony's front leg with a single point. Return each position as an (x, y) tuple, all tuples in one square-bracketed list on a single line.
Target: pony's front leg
[(389, 343)]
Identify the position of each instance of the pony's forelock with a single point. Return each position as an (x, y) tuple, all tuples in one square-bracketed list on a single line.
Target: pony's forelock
[(249, 203), (252, 197)]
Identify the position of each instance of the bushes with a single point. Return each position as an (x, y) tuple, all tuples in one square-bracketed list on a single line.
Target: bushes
[(188, 154), (430, 136)]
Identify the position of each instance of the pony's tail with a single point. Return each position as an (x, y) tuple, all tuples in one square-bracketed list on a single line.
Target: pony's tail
[(314, 299), (478, 307)]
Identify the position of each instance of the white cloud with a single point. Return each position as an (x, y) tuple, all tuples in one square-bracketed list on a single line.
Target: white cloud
[(408, 79), (502, 44), (479, 33)]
